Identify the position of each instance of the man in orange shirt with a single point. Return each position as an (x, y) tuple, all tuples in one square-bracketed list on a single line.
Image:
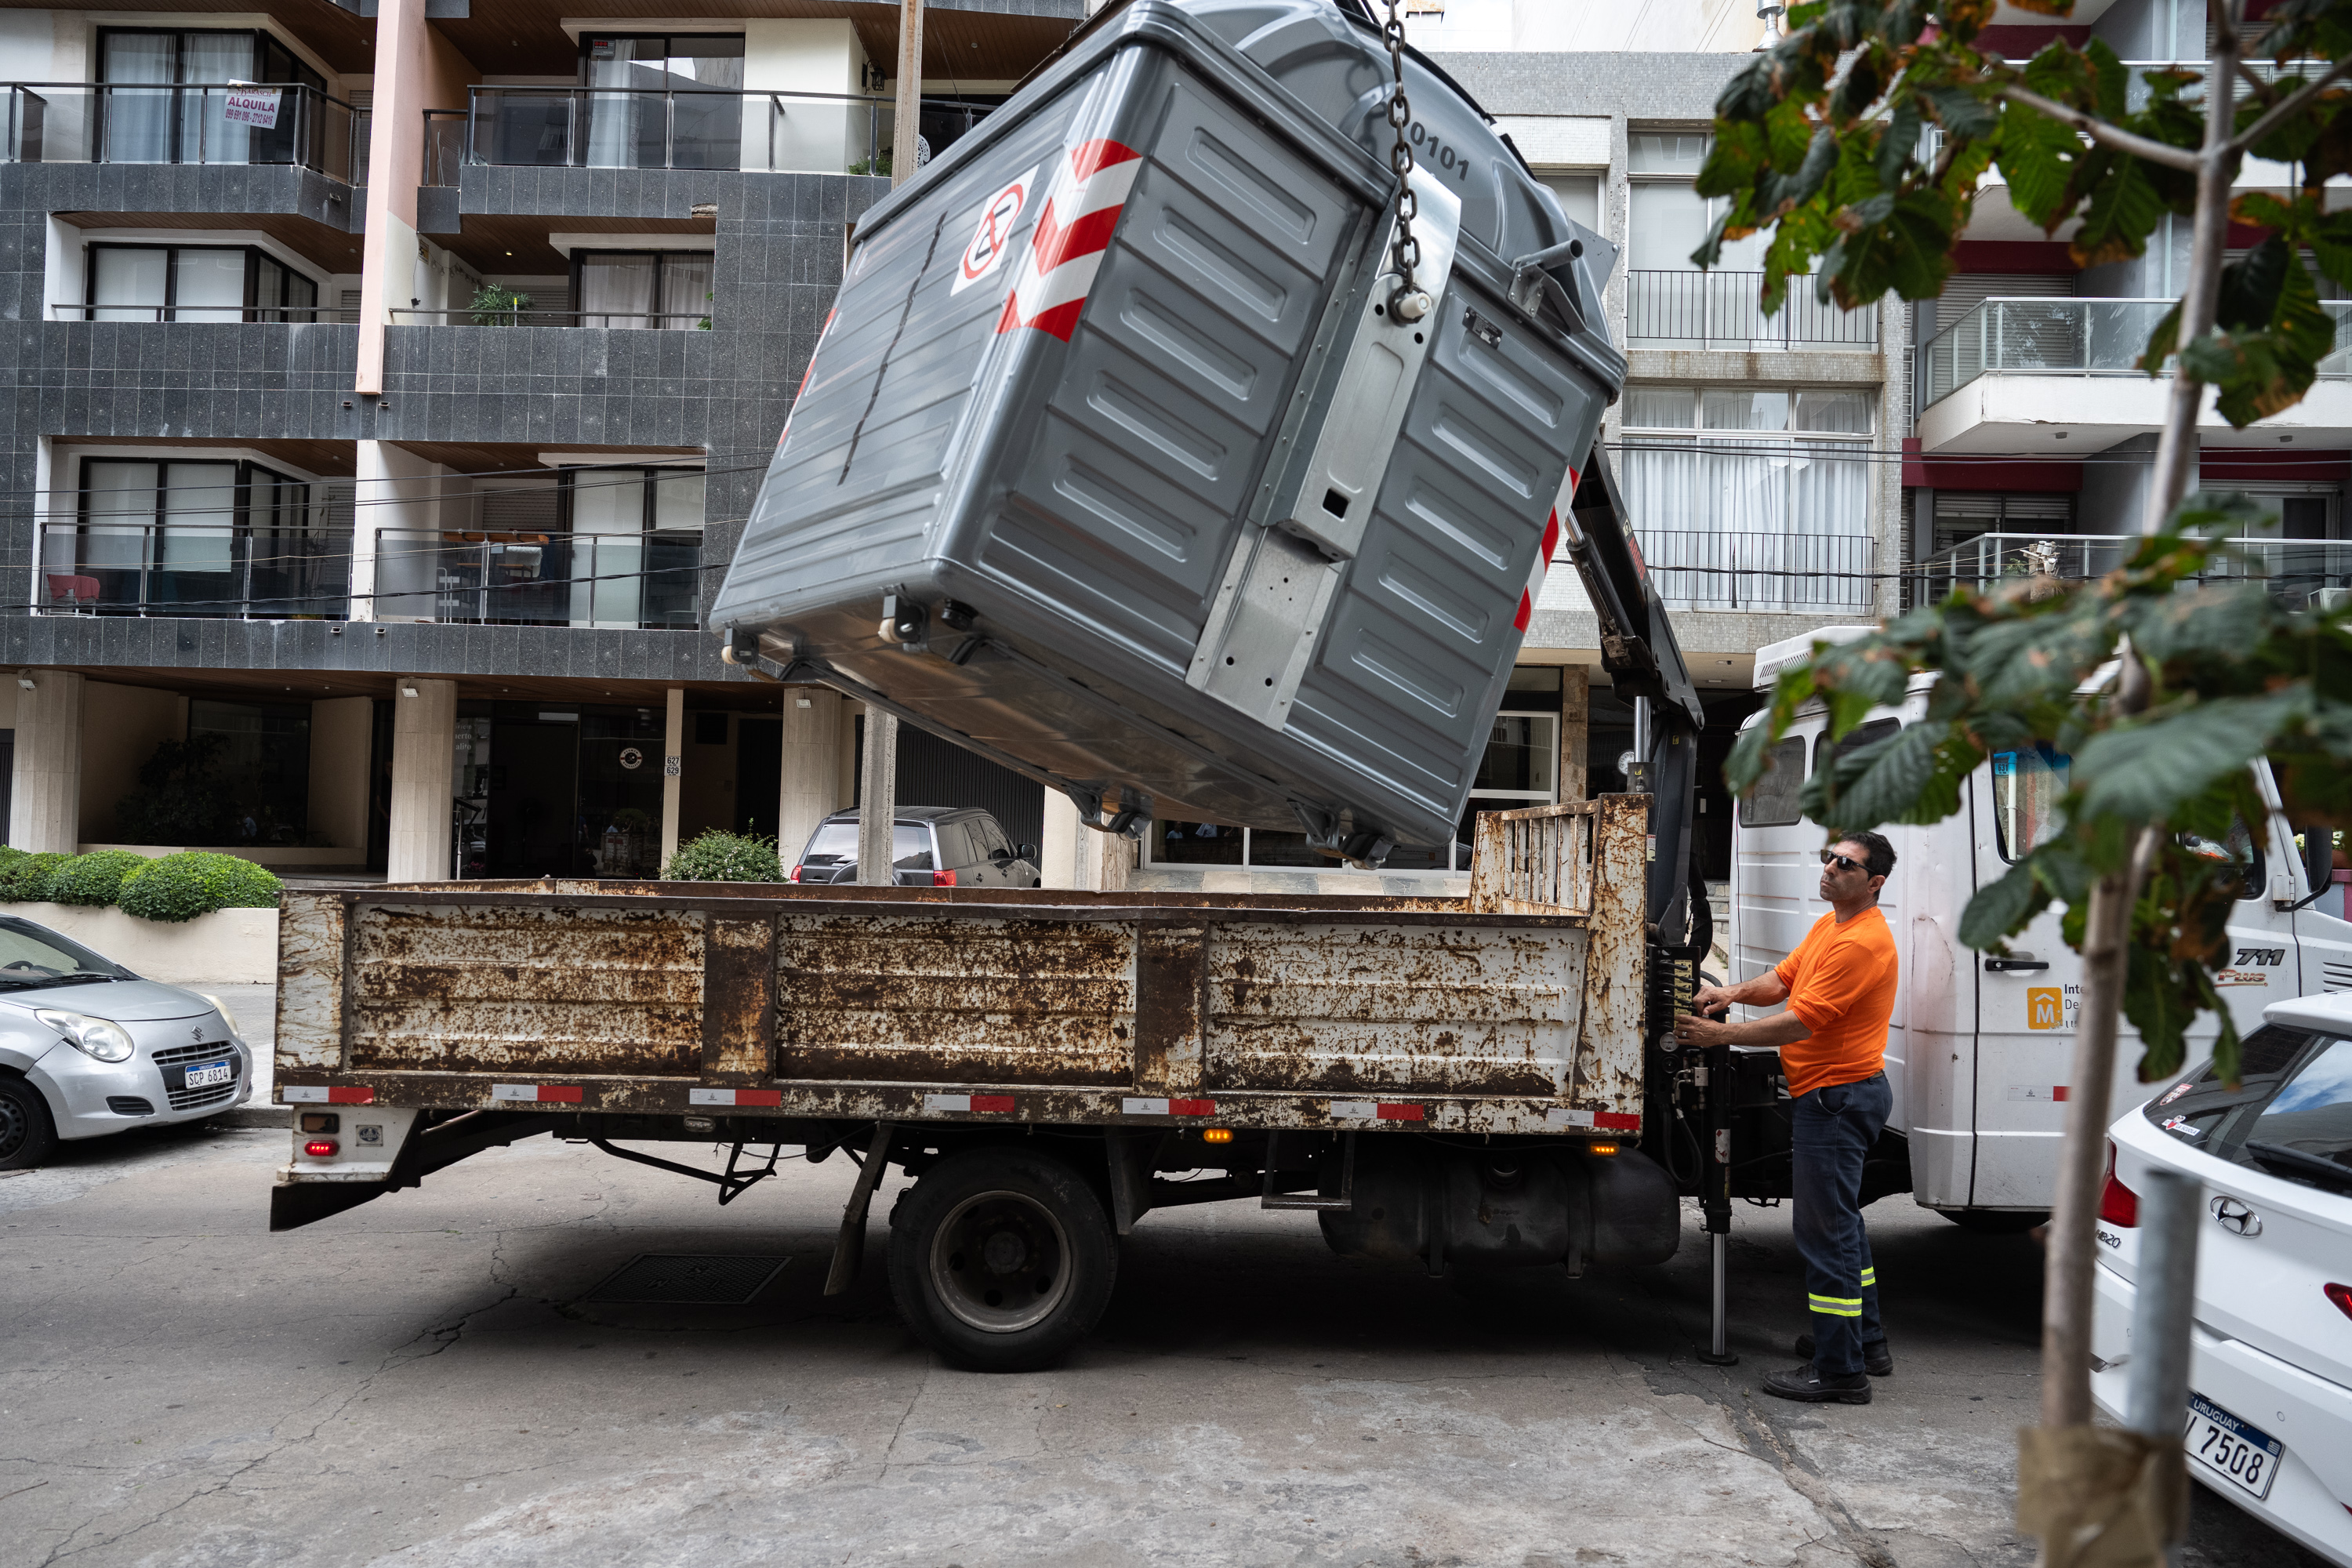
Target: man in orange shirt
[(1840, 988)]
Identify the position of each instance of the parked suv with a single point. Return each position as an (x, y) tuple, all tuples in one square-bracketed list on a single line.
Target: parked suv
[(930, 846), (87, 1047)]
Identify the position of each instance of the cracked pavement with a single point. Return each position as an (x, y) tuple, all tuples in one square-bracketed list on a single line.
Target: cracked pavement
[(419, 1381)]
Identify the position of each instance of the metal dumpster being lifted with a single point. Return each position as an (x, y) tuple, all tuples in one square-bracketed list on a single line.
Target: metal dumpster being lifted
[(1120, 462)]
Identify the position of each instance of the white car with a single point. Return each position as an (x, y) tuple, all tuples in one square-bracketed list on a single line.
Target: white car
[(2269, 1423)]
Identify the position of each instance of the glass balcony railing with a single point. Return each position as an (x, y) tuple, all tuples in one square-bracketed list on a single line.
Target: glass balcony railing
[(679, 128), (123, 123), (1718, 311), (2078, 337), (467, 316), (629, 580), (301, 315), (224, 572), (1801, 573), (2296, 572)]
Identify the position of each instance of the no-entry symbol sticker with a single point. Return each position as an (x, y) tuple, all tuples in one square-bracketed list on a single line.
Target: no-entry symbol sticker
[(991, 235)]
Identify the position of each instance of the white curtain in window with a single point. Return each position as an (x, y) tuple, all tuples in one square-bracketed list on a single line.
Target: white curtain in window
[(199, 517), (678, 501), (608, 521), (208, 285), (130, 287), (120, 506), (206, 134), (616, 291), (138, 116), (685, 289)]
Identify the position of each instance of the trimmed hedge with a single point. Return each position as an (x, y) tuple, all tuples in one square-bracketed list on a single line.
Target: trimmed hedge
[(25, 878), (194, 882), (95, 880), (718, 857)]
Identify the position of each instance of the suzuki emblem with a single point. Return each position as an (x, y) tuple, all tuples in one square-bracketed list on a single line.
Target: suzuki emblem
[(197, 1032), (2236, 1216)]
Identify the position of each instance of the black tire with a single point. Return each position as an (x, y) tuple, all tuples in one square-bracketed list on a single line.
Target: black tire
[(1996, 1222), (1002, 1260), (27, 1135)]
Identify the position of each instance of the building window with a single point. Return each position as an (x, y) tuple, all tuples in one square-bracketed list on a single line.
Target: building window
[(638, 289), (636, 546), (194, 283), (662, 102), (1521, 768), (201, 538), (163, 98), (1752, 497), (1578, 195)]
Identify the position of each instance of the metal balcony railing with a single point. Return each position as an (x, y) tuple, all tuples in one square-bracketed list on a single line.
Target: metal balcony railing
[(2296, 571), (216, 572), (123, 122), (672, 320), (1800, 573), (1718, 311), (677, 128), (299, 315), (2078, 337), (483, 577)]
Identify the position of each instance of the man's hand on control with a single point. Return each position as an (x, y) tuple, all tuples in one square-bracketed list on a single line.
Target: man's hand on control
[(1692, 1030), (1712, 1001)]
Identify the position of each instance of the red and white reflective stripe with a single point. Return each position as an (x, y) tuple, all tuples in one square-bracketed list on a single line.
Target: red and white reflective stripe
[(538, 1093), (1377, 1110), (314, 1094), (1604, 1121), (735, 1097), (1534, 589), (1168, 1107), (1066, 249), (974, 1104)]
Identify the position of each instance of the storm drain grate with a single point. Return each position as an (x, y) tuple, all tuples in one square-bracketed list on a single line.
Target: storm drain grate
[(690, 1279)]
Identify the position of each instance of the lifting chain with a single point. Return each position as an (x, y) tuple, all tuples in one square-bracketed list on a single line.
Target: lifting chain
[(1409, 303)]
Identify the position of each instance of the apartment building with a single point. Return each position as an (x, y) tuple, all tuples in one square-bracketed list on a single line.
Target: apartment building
[(386, 385)]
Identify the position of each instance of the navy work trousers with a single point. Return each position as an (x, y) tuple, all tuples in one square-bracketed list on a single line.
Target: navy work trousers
[(1834, 1129)]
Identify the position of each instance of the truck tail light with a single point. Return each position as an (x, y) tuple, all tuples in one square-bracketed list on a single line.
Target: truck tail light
[(943, 879), (2342, 1296), (320, 1148), (2119, 1205)]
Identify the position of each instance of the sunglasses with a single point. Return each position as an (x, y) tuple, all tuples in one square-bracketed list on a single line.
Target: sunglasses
[(1843, 862)]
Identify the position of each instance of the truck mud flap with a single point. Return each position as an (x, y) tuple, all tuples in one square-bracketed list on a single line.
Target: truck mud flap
[(295, 1203)]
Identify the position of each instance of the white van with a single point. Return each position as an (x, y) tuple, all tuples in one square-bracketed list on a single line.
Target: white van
[(1981, 1047)]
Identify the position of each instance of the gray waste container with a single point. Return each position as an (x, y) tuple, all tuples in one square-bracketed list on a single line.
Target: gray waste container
[(1173, 510)]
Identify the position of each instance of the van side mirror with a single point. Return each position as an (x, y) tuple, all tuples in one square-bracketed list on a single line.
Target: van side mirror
[(2318, 856)]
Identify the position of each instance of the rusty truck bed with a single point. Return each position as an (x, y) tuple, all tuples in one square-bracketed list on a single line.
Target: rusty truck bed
[(1518, 1010)]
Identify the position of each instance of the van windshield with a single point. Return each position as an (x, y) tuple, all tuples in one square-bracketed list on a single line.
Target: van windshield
[(2026, 788)]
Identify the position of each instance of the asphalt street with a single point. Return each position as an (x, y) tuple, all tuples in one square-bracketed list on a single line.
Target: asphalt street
[(420, 1382)]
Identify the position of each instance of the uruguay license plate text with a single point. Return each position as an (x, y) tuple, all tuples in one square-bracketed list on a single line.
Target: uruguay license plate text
[(2243, 1456), (211, 1073)]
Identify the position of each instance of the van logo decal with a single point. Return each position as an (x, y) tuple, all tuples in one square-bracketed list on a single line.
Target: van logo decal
[(992, 236), (1082, 210), (2046, 1007)]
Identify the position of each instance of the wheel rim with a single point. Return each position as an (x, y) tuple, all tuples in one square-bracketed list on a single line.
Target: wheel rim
[(16, 1126), (1000, 1262)]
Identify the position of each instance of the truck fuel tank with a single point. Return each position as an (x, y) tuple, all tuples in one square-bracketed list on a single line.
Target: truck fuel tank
[(1505, 1207)]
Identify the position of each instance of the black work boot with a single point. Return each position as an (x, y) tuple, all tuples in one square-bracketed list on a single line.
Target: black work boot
[(1806, 1385), (1876, 1358)]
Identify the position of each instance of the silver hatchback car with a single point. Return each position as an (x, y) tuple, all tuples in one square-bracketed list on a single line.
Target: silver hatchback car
[(87, 1047)]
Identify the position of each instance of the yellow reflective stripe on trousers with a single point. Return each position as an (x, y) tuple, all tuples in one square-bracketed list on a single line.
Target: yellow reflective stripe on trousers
[(1869, 1277), (1837, 1306)]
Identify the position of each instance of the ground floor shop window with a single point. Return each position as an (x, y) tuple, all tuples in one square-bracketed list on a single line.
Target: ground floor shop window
[(556, 789)]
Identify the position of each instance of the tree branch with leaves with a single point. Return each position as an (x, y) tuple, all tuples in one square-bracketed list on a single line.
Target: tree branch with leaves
[(1860, 143)]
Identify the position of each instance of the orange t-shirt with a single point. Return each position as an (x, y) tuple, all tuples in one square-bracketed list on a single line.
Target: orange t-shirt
[(1841, 981)]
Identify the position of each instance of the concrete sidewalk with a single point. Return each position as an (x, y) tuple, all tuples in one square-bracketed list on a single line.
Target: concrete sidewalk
[(255, 1008)]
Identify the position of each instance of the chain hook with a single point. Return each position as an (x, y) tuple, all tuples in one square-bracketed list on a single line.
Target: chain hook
[(1409, 303)]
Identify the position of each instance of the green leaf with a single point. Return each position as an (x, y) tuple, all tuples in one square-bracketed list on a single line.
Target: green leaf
[(2001, 910), (2162, 343), (2109, 80), (2160, 1005), (2141, 773), (2037, 157), (1960, 112), (2124, 209), (2250, 285), (1898, 143)]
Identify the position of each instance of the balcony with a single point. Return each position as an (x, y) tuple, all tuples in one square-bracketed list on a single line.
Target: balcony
[(1718, 311), (681, 128), (87, 122), (617, 321), (2010, 372), (1782, 574), (634, 581), (2296, 572), (220, 574)]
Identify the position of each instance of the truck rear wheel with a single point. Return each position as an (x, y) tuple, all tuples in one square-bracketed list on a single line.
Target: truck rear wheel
[(1002, 1260)]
